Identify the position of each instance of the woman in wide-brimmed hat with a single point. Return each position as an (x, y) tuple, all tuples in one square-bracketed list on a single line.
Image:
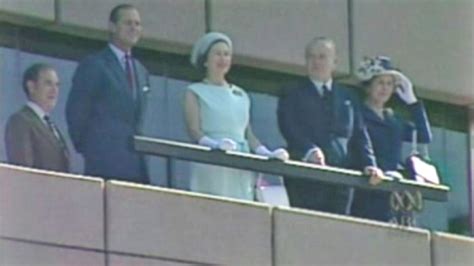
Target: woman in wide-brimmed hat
[(380, 82)]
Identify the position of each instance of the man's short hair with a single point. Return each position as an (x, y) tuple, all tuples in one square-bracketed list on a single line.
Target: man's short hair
[(317, 40), (115, 12), (32, 73)]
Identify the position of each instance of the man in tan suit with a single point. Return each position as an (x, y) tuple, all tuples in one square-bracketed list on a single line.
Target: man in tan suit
[(31, 138)]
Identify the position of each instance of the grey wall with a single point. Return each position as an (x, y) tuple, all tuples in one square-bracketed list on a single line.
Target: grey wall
[(49, 218), (271, 34)]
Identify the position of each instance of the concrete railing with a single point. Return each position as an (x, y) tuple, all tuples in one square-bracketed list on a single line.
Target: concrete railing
[(49, 218)]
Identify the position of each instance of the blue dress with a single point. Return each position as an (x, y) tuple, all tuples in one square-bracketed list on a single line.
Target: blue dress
[(387, 135), (224, 113)]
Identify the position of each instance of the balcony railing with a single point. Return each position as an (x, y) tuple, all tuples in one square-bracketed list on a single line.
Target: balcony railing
[(288, 169)]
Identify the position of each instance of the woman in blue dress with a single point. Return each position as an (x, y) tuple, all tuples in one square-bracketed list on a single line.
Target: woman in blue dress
[(387, 130), (217, 115)]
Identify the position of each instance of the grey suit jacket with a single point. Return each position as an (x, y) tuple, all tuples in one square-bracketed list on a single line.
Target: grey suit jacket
[(29, 142)]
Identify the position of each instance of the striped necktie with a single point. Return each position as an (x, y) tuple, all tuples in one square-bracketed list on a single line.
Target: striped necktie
[(54, 130)]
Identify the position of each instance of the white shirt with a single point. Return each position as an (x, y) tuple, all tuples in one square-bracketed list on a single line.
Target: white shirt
[(41, 114), (319, 85), (38, 111), (120, 55)]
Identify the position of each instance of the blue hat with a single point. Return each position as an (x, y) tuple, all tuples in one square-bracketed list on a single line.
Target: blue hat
[(374, 66), (201, 47)]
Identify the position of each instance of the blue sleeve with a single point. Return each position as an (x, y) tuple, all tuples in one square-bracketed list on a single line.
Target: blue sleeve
[(422, 124), (80, 102), (362, 152)]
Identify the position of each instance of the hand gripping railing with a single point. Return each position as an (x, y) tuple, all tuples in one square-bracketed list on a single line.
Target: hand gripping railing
[(291, 169)]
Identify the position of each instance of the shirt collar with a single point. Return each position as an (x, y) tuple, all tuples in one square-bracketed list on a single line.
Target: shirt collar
[(37, 110), (118, 53), (319, 85)]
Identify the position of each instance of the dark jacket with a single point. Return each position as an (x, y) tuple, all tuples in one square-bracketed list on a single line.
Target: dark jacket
[(387, 135), (307, 121), (103, 115)]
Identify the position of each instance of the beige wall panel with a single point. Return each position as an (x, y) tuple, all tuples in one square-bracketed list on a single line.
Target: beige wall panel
[(51, 207), (118, 260), (177, 225), (452, 250), (278, 30), (310, 238), (180, 21), (19, 253), (432, 41), (43, 9)]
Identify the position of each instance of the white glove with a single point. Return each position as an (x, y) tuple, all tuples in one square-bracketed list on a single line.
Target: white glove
[(224, 144), (315, 155), (280, 154), (394, 174), (405, 89)]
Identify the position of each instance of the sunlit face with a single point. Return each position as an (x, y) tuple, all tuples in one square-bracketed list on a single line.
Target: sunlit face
[(126, 32), (321, 61), (381, 89), (219, 59), (45, 90)]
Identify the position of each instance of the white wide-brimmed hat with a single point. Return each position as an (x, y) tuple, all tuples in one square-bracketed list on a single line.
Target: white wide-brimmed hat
[(370, 67), (202, 46)]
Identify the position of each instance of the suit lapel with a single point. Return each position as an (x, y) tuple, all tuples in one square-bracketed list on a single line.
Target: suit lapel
[(118, 72), (337, 97), (42, 127), (371, 117), (63, 144), (312, 90)]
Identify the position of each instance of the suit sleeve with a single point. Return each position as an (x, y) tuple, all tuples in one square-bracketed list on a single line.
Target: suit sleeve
[(80, 103), (362, 154), (288, 118), (422, 124), (18, 143)]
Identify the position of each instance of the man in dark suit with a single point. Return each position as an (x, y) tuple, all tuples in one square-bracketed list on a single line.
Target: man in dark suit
[(31, 139), (320, 121), (106, 102)]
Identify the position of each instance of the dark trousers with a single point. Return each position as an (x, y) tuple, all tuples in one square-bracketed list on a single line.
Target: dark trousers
[(374, 205), (317, 196)]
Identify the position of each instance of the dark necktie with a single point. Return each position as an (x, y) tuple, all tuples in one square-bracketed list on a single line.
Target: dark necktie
[(326, 98), (129, 71), (54, 130), (326, 92)]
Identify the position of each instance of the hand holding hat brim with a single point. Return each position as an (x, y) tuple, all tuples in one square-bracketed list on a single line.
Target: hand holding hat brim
[(405, 88)]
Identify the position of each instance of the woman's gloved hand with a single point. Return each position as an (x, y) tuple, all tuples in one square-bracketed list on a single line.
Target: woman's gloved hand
[(405, 89), (224, 144), (280, 154)]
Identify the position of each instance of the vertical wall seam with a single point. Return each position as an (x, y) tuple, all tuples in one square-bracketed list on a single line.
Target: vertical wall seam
[(432, 246), (207, 15), (272, 236), (470, 176), (105, 226), (57, 12), (350, 32)]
